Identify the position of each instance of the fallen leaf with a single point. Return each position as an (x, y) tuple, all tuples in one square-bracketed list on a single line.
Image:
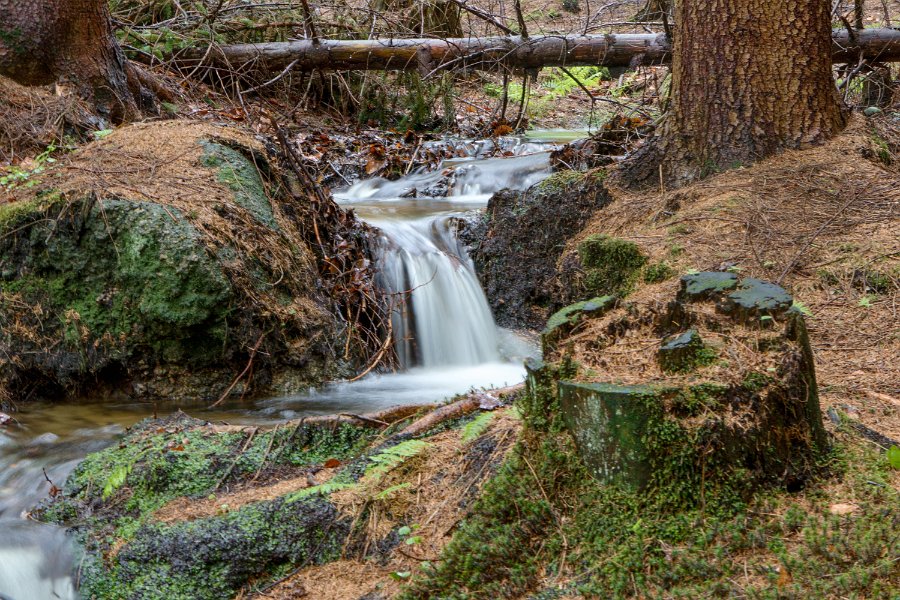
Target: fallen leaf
[(784, 577), (332, 463), (842, 509)]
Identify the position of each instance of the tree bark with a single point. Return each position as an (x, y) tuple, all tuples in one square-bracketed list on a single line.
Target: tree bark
[(750, 78), (71, 43)]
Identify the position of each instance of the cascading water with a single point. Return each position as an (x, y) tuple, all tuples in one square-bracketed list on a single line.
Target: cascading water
[(443, 331), (440, 316), (446, 320)]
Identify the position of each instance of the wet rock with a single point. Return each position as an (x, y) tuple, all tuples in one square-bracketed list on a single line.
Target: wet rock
[(521, 237), (162, 287), (700, 286), (755, 299), (566, 318)]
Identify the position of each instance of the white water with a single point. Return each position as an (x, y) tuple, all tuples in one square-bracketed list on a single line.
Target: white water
[(446, 321), (444, 333)]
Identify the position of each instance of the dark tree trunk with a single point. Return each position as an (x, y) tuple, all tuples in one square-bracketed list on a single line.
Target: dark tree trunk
[(71, 43), (750, 78)]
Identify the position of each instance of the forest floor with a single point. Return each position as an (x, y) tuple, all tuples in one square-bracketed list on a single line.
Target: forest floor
[(822, 222)]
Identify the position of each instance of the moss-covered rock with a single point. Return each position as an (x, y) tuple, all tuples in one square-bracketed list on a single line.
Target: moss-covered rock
[(112, 499), (516, 246), (165, 285)]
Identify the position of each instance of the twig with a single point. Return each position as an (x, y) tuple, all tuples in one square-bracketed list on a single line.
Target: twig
[(239, 377)]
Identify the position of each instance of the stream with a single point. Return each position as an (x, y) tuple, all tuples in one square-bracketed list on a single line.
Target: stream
[(444, 336)]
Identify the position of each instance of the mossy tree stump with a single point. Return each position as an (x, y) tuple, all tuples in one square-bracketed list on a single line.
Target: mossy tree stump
[(713, 389)]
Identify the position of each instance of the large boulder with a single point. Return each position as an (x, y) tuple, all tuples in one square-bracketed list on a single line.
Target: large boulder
[(162, 261)]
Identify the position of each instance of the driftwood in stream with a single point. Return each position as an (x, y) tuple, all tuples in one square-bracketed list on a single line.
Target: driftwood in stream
[(431, 55)]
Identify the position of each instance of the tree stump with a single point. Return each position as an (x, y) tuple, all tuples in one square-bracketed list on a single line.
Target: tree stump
[(718, 390)]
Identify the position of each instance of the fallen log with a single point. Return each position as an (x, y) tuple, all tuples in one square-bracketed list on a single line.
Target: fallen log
[(432, 55)]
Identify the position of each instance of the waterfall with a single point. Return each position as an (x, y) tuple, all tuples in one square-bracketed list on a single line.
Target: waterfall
[(440, 315)]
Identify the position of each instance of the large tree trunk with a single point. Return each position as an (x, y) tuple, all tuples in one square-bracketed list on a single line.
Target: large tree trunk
[(69, 42), (750, 78)]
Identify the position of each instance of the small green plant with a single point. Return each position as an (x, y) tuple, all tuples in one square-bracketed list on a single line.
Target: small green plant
[(802, 308), (16, 176), (893, 456), (866, 301), (476, 426)]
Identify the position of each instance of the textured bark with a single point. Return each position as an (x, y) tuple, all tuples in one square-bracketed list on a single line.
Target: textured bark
[(69, 42), (750, 78)]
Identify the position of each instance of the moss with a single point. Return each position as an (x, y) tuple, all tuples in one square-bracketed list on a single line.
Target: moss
[(610, 265), (158, 462), (658, 272), (543, 517), (243, 178), (559, 181), (111, 496), (213, 558)]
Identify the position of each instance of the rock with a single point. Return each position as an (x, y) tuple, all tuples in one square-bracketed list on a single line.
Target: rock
[(700, 286), (872, 111), (161, 287), (754, 300), (523, 234), (564, 319)]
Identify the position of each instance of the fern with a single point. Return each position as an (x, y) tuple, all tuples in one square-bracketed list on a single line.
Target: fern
[(317, 490), (391, 491), (392, 457), (116, 480), (476, 426)]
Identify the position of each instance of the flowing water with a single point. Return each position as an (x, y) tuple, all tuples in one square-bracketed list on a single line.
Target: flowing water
[(443, 330)]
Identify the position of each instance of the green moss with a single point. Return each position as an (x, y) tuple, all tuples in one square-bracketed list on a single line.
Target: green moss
[(112, 494), (658, 272), (213, 558), (132, 272), (543, 513), (243, 178), (610, 265), (559, 181)]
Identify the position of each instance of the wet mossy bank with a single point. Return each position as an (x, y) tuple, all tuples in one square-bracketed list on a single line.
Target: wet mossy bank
[(185, 510), (160, 263), (516, 244)]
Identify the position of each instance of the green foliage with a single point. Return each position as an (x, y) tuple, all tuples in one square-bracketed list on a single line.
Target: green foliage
[(323, 489), (802, 308), (893, 456), (389, 458), (18, 177), (477, 426)]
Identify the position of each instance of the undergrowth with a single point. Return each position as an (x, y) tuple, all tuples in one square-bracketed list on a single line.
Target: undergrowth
[(543, 527)]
